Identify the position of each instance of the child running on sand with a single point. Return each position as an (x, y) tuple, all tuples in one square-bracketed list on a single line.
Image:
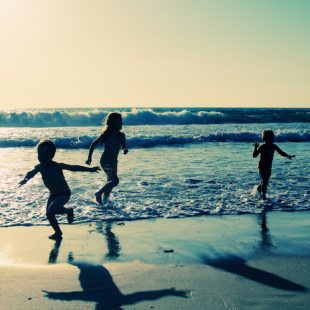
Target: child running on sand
[(266, 152), (113, 140), (54, 180)]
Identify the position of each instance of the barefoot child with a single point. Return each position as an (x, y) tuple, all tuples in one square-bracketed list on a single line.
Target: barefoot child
[(113, 140), (54, 180), (266, 152)]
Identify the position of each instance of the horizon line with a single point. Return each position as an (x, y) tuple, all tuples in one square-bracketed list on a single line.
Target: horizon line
[(157, 107)]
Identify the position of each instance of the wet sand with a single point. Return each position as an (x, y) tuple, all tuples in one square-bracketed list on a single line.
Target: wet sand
[(214, 262)]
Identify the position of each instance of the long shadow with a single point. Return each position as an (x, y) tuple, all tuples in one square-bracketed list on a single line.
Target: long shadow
[(237, 265), (98, 286)]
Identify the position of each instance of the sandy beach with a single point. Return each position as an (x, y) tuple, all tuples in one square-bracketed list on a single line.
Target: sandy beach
[(154, 155), (216, 262)]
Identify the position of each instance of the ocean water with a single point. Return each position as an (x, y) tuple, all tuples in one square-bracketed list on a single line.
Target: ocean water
[(181, 162)]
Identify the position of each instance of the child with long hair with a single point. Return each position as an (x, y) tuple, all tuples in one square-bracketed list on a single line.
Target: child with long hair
[(113, 140), (266, 152)]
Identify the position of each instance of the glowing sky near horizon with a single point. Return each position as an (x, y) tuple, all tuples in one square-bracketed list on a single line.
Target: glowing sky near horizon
[(126, 53)]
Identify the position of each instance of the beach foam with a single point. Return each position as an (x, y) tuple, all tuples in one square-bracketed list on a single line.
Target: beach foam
[(171, 182), (150, 136)]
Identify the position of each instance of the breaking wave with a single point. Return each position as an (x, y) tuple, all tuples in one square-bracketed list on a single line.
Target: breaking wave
[(95, 117), (157, 140)]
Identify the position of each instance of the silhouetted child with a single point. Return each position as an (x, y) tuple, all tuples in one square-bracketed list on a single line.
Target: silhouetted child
[(113, 140), (266, 152), (54, 180)]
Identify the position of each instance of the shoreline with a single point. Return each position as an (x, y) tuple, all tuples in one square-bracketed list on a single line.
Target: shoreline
[(273, 232), (218, 262), (128, 220)]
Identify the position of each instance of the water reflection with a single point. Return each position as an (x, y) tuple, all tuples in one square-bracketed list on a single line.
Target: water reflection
[(113, 245), (265, 241), (52, 259)]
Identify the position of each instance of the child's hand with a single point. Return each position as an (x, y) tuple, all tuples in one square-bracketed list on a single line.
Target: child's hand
[(125, 151), (22, 182), (95, 169), (256, 145), (291, 156), (88, 161)]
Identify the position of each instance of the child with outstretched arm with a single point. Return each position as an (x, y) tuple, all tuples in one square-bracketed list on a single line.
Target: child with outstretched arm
[(113, 140), (266, 152), (54, 180)]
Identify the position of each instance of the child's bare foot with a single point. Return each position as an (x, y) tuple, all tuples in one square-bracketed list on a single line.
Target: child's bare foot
[(70, 216), (55, 236), (99, 198), (264, 197)]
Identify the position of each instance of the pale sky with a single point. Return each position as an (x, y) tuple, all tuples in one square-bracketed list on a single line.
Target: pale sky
[(136, 53)]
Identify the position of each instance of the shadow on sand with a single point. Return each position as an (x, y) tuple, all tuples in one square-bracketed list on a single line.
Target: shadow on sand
[(98, 286), (237, 265)]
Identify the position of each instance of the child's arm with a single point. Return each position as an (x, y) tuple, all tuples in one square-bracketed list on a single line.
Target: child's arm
[(282, 153), (256, 150), (78, 168), (91, 149), (123, 144), (29, 175)]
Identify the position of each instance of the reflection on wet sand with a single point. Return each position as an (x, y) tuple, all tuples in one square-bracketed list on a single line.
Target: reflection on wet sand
[(266, 241), (113, 245), (52, 259)]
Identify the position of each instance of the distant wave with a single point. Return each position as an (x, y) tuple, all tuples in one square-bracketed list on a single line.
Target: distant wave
[(152, 141), (95, 117), (183, 117)]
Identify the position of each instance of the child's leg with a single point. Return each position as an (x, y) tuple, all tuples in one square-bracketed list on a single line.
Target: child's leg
[(264, 185), (112, 181), (265, 175), (259, 187), (56, 206)]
